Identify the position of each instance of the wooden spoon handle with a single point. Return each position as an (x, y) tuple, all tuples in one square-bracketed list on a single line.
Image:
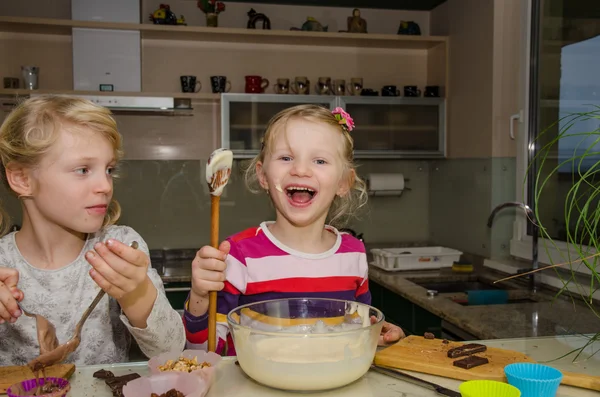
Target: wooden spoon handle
[(212, 296)]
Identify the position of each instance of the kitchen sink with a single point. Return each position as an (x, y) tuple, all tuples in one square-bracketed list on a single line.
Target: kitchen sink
[(510, 301), (457, 286)]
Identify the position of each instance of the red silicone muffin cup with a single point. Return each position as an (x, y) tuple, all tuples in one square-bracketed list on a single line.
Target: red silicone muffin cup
[(25, 387)]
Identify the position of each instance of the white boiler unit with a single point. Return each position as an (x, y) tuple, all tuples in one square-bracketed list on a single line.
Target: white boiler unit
[(105, 56)]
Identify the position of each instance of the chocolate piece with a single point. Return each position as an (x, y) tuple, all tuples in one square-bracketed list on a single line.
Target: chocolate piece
[(116, 383), (466, 350), (121, 379), (103, 374), (471, 362), (445, 342), (429, 335)]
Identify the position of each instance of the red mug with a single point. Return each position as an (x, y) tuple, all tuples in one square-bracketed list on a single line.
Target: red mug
[(256, 84)]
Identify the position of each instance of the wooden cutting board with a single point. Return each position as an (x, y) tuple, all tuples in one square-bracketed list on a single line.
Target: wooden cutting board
[(429, 356), (13, 374)]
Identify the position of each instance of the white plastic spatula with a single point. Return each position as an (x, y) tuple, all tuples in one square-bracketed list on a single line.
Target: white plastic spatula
[(218, 170)]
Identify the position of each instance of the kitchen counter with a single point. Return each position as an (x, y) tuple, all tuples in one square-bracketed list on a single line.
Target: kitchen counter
[(231, 381), (513, 320)]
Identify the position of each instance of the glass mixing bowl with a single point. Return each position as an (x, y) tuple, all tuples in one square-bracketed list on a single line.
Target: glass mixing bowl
[(305, 344)]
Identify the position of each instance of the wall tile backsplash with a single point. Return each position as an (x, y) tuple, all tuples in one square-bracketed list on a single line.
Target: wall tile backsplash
[(463, 193), (168, 203)]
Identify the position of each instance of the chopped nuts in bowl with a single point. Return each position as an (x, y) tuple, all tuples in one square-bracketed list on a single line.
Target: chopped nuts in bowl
[(196, 362), (183, 364)]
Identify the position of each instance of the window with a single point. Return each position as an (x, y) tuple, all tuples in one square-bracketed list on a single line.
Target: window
[(560, 56)]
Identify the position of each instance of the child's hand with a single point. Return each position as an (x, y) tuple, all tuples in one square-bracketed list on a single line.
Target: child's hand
[(117, 268), (390, 333), (9, 295), (208, 269)]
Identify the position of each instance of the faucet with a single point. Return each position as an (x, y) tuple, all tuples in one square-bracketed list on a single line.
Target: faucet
[(533, 282)]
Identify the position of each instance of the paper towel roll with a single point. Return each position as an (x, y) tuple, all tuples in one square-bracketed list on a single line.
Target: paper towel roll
[(383, 182)]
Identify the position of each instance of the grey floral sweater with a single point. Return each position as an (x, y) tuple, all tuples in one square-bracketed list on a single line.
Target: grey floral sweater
[(62, 295)]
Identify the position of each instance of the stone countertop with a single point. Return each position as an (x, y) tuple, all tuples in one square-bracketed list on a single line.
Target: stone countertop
[(541, 317), (232, 382)]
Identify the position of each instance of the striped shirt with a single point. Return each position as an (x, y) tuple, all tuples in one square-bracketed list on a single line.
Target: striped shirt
[(260, 267)]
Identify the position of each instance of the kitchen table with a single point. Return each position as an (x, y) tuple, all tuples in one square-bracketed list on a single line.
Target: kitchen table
[(231, 381)]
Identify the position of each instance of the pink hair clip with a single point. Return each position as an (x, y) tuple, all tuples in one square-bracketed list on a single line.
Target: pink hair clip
[(343, 118)]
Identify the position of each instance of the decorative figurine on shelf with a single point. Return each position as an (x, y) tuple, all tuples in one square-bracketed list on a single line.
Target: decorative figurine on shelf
[(409, 28), (255, 17), (311, 25), (212, 9), (164, 16), (355, 23)]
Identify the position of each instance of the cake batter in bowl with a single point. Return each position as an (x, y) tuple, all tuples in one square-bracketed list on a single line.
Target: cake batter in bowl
[(305, 344)]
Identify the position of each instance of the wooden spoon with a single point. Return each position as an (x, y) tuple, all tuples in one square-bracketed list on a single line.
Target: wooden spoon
[(218, 170)]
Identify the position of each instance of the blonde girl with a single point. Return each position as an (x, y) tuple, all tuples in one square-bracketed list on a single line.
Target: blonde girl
[(306, 168), (58, 157)]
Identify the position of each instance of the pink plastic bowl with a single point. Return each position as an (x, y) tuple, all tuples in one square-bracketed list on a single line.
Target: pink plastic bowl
[(207, 374), (190, 385), (28, 385)]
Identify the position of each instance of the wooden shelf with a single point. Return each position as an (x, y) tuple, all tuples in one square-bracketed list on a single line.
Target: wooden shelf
[(237, 35), (193, 96)]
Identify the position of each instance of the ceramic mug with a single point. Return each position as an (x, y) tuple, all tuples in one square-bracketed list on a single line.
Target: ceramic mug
[(219, 84), (356, 85), (282, 86), (411, 91), (301, 85), (256, 84), (190, 84), (339, 87), (432, 91), (390, 90), (323, 86)]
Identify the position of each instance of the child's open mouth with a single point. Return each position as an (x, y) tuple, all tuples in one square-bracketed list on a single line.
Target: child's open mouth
[(300, 195)]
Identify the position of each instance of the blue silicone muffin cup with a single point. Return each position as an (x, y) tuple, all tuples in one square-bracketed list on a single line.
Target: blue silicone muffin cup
[(534, 380)]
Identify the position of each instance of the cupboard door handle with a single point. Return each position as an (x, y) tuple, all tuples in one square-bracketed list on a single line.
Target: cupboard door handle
[(513, 118), (175, 289)]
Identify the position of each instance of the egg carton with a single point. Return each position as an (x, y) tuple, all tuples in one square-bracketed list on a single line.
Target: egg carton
[(414, 258)]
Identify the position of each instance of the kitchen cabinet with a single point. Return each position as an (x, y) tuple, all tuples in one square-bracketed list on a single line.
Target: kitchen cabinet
[(244, 118), (386, 127), (397, 127), (413, 319), (177, 293)]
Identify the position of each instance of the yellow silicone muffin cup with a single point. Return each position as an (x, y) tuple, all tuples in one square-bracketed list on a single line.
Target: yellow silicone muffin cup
[(488, 388)]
